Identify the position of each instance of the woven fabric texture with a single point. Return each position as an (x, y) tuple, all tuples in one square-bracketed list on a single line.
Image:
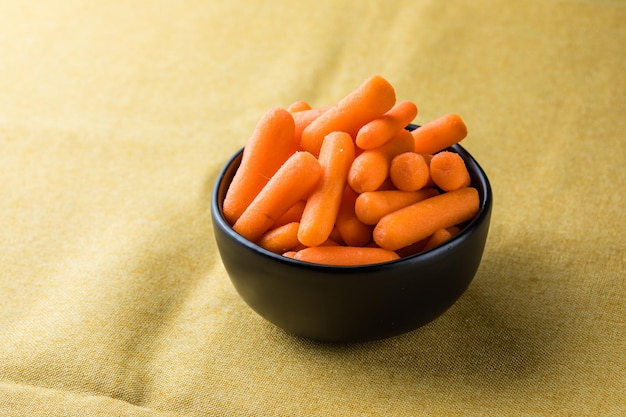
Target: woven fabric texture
[(116, 117)]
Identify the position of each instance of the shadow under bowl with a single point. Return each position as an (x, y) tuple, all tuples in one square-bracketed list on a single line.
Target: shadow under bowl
[(352, 303)]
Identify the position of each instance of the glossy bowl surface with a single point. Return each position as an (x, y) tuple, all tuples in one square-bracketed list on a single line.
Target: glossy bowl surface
[(352, 304)]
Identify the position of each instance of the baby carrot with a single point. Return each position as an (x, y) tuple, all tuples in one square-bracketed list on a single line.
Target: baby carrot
[(322, 206), (335, 236), (371, 206), (448, 171), (373, 98), (293, 214), (353, 231), (280, 239), (304, 118), (293, 181), (409, 171), (345, 255), (382, 129), (298, 106), (371, 168), (439, 237), (265, 151), (420, 220), (440, 133), (327, 242), (368, 171)]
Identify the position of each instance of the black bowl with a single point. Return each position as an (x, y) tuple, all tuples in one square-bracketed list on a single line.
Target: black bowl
[(347, 303)]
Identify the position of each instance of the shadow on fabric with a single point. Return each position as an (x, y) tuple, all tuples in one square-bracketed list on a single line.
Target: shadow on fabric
[(488, 339)]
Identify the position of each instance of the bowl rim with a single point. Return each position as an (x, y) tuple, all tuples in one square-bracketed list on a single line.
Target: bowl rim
[(486, 201)]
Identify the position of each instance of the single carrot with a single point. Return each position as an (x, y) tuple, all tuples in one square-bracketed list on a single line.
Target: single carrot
[(293, 214), (293, 181), (436, 239), (290, 254), (438, 134), (335, 236), (304, 118), (371, 168), (368, 171), (409, 171), (440, 236), (297, 106), (265, 151), (382, 129), (448, 171), (373, 98), (345, 255), (280, 239), (420, 220), (353, 231), (322, 206), (371, 206)]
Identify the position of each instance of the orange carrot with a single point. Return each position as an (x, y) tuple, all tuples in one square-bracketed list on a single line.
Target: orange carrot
[(330, 242), (293, 181), (440, 133), (290, 254), (368, 171), (386, 185), (373, 98), (327, 242), (448, 171), (371, 206), (427, 157), (320, 212), (298, 106), (294, 214), (420, 220), (353, 231), (440, 236), (454, 230), (345, 255), (409, 171), (265, 151), (304, 118), (371, 168), (382, 129), (280, 239), (335, 236)]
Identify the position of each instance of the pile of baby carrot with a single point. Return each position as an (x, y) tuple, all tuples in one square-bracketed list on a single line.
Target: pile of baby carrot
[(347, 184)]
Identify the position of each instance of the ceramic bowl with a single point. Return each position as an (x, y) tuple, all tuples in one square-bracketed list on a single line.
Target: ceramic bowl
[(346, 303)]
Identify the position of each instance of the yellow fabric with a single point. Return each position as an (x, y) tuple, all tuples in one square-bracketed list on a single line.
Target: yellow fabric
[(115, 118)]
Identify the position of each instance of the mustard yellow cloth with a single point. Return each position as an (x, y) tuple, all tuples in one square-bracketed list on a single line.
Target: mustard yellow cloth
[(115, 118)]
